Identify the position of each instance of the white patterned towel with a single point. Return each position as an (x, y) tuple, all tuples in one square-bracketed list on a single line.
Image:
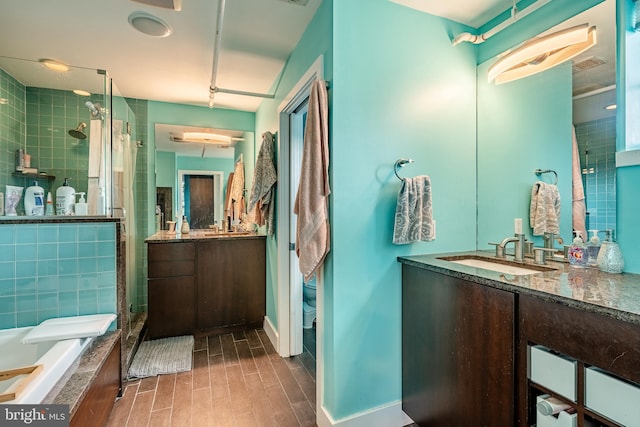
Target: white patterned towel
[(544, 213), (414, 215)]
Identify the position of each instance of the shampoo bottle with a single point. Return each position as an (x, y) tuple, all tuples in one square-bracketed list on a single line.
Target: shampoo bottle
[(34, 200), (65, 198)]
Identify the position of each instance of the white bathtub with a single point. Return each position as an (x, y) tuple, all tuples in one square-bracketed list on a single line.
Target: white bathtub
[(55, 356)]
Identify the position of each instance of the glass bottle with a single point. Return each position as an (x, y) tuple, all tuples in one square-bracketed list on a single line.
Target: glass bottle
[(593, 247), (610, 258)]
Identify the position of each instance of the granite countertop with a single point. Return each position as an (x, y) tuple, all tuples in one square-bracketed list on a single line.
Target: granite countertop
[(74, 384), (612, 295), (166, 237)]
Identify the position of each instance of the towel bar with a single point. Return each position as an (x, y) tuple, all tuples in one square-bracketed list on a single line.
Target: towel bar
[(541, 171), (400, 164)]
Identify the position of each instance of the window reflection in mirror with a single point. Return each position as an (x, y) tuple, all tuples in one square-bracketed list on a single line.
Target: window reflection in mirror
[(526, 125)]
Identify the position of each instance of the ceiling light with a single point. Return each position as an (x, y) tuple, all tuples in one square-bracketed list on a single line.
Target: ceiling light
[(542, 53), (149, 24), (4, 101), (54, 65), (611, 107), (206, 136), (81, 92)]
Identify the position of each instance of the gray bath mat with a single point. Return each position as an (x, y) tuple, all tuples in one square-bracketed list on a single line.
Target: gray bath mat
[(163, 356)]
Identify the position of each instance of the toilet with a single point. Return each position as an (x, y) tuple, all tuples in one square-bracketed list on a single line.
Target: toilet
[(309, 303)]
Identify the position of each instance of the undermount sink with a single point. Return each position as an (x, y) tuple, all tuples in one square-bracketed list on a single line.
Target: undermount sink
[(497, 265)]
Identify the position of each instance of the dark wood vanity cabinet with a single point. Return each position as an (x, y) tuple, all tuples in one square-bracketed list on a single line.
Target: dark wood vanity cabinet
[(231, 283), (171, 289), (205, 285), (457, 351)]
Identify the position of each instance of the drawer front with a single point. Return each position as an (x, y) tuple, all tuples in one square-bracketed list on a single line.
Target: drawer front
[(553, 372), (611, 397), (171, 251), (159, 269)]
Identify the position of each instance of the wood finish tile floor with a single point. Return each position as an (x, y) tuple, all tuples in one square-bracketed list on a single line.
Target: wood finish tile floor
[(236, 380)]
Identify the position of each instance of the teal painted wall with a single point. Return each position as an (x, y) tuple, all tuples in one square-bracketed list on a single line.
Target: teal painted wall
[(400, 90), (165, 169), (315, 41), (522, 126)]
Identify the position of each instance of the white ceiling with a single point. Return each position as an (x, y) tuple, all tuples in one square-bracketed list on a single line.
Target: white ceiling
[(257, 38)]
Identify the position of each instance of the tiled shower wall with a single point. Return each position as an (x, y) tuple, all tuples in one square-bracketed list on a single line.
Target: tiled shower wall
[(597, 146), (56, 270), (12, 127)]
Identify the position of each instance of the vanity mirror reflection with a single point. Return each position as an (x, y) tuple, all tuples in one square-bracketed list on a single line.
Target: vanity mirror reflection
[(193, 166), (527, 124)]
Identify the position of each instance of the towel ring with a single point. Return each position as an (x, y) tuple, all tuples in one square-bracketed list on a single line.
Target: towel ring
[(400, 164), (540, 172)]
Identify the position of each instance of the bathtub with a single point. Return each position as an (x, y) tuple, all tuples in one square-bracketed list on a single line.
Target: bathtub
[(55, 356)]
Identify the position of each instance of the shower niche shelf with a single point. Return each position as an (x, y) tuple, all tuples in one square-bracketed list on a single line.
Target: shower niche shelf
[(34, 176)]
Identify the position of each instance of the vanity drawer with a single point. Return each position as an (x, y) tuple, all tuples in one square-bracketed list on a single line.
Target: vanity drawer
[(611, 397), (553, 371)]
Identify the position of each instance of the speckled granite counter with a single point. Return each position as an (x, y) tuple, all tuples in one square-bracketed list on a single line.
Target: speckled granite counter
[(75, 383), (613, 295), (166, 237), (55, 219)]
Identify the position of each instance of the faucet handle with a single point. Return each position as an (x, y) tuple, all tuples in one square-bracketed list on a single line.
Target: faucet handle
[(540, 256), (499, 249)]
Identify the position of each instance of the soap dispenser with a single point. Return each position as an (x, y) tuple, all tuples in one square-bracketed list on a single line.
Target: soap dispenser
[(81, 206), (578, 252), (610, 258), (593, 247), (185, 225)]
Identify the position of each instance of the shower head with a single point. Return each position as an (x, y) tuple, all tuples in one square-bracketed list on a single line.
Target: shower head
[(77, 132), (94, 109)]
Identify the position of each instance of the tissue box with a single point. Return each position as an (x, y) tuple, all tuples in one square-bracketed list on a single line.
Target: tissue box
[(553, 372), (562, 419)]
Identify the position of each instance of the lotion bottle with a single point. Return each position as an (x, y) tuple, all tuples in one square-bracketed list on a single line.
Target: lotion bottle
[(34, 200), (81, 206), (65, 198)]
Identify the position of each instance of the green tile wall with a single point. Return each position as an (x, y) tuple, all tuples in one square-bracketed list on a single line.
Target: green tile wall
[(12, 126), (56, 270)]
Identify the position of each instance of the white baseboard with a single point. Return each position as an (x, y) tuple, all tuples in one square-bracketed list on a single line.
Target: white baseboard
[(390, 415), (271, 332)]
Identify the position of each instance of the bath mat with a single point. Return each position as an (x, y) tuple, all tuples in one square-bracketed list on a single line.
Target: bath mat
[(162, 356)]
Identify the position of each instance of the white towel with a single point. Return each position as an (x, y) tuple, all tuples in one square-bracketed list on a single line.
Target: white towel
[(544, 214), (312, 227), (414, 211), (234, 203)]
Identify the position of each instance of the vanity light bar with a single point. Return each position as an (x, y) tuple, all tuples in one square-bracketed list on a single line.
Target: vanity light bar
[(543, 53)]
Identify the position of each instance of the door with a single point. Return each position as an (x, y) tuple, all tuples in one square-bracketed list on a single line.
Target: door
[(199, 206), (296, 140)]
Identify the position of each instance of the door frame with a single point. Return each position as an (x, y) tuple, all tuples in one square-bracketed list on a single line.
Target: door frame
[(289, 313), (217, 195)]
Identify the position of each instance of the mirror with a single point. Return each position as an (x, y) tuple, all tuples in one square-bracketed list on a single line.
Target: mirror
[(192, 172), (526, 124)]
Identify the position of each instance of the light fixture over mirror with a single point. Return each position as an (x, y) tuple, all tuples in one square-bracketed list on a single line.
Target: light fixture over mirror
[(542, 53)]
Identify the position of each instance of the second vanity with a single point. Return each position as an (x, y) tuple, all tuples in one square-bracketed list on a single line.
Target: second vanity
[(205, 282), (482, 346)]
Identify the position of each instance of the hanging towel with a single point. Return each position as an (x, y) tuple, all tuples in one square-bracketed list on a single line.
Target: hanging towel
[(236, 193), (227, 198), (264, 183), (544, 214), (579, 208), (414, 212), (312, 227)]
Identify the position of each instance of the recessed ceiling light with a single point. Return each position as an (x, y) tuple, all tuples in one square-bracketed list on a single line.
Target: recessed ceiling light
[(611, 107), (149, 24), (81, 92), (54, 65)]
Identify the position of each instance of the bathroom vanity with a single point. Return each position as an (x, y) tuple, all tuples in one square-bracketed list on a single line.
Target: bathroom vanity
[(479, 346), (205, 282)]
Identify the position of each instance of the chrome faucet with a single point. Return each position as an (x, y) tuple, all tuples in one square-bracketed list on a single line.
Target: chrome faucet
[(518, 240), (550, 239)]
